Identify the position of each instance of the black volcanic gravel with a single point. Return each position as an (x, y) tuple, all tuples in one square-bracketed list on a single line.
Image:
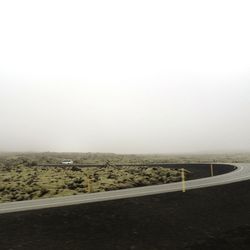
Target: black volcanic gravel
[(209, 218)]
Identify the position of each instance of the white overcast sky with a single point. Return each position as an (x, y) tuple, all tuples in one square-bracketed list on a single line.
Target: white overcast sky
[(125, 76)]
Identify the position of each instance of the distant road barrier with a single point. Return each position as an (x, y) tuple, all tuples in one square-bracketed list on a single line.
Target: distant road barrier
[(121, 165)]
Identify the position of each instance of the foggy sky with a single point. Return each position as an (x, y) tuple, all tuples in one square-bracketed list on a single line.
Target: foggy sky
[(125, 76)]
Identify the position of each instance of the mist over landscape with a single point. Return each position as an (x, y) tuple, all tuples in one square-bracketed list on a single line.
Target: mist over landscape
[(124, 125), (131, 77)]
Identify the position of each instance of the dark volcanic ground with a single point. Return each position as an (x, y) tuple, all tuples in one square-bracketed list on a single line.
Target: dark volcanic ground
[(210, 218)]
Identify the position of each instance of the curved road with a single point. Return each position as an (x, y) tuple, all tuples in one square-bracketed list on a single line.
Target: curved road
[(240, 174)]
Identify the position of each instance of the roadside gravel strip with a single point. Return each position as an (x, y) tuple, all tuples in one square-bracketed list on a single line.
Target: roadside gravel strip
[(241, 173)]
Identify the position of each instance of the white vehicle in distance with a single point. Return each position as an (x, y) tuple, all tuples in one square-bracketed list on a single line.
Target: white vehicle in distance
[(67, 161)]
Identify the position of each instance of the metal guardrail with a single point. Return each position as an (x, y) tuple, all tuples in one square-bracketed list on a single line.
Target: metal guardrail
[(105, 165), (119, 165)]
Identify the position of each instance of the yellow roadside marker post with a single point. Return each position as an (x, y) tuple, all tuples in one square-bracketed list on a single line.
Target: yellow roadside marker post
[(212, 170), (183, 180), (89, 186)]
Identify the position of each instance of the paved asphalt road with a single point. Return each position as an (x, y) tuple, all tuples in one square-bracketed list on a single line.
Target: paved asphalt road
[(240, 174)]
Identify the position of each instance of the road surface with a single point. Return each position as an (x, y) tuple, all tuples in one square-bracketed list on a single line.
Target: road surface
[(240, 174)]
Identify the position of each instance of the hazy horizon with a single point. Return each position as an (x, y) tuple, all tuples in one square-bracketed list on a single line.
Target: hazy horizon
[(125, 77)]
